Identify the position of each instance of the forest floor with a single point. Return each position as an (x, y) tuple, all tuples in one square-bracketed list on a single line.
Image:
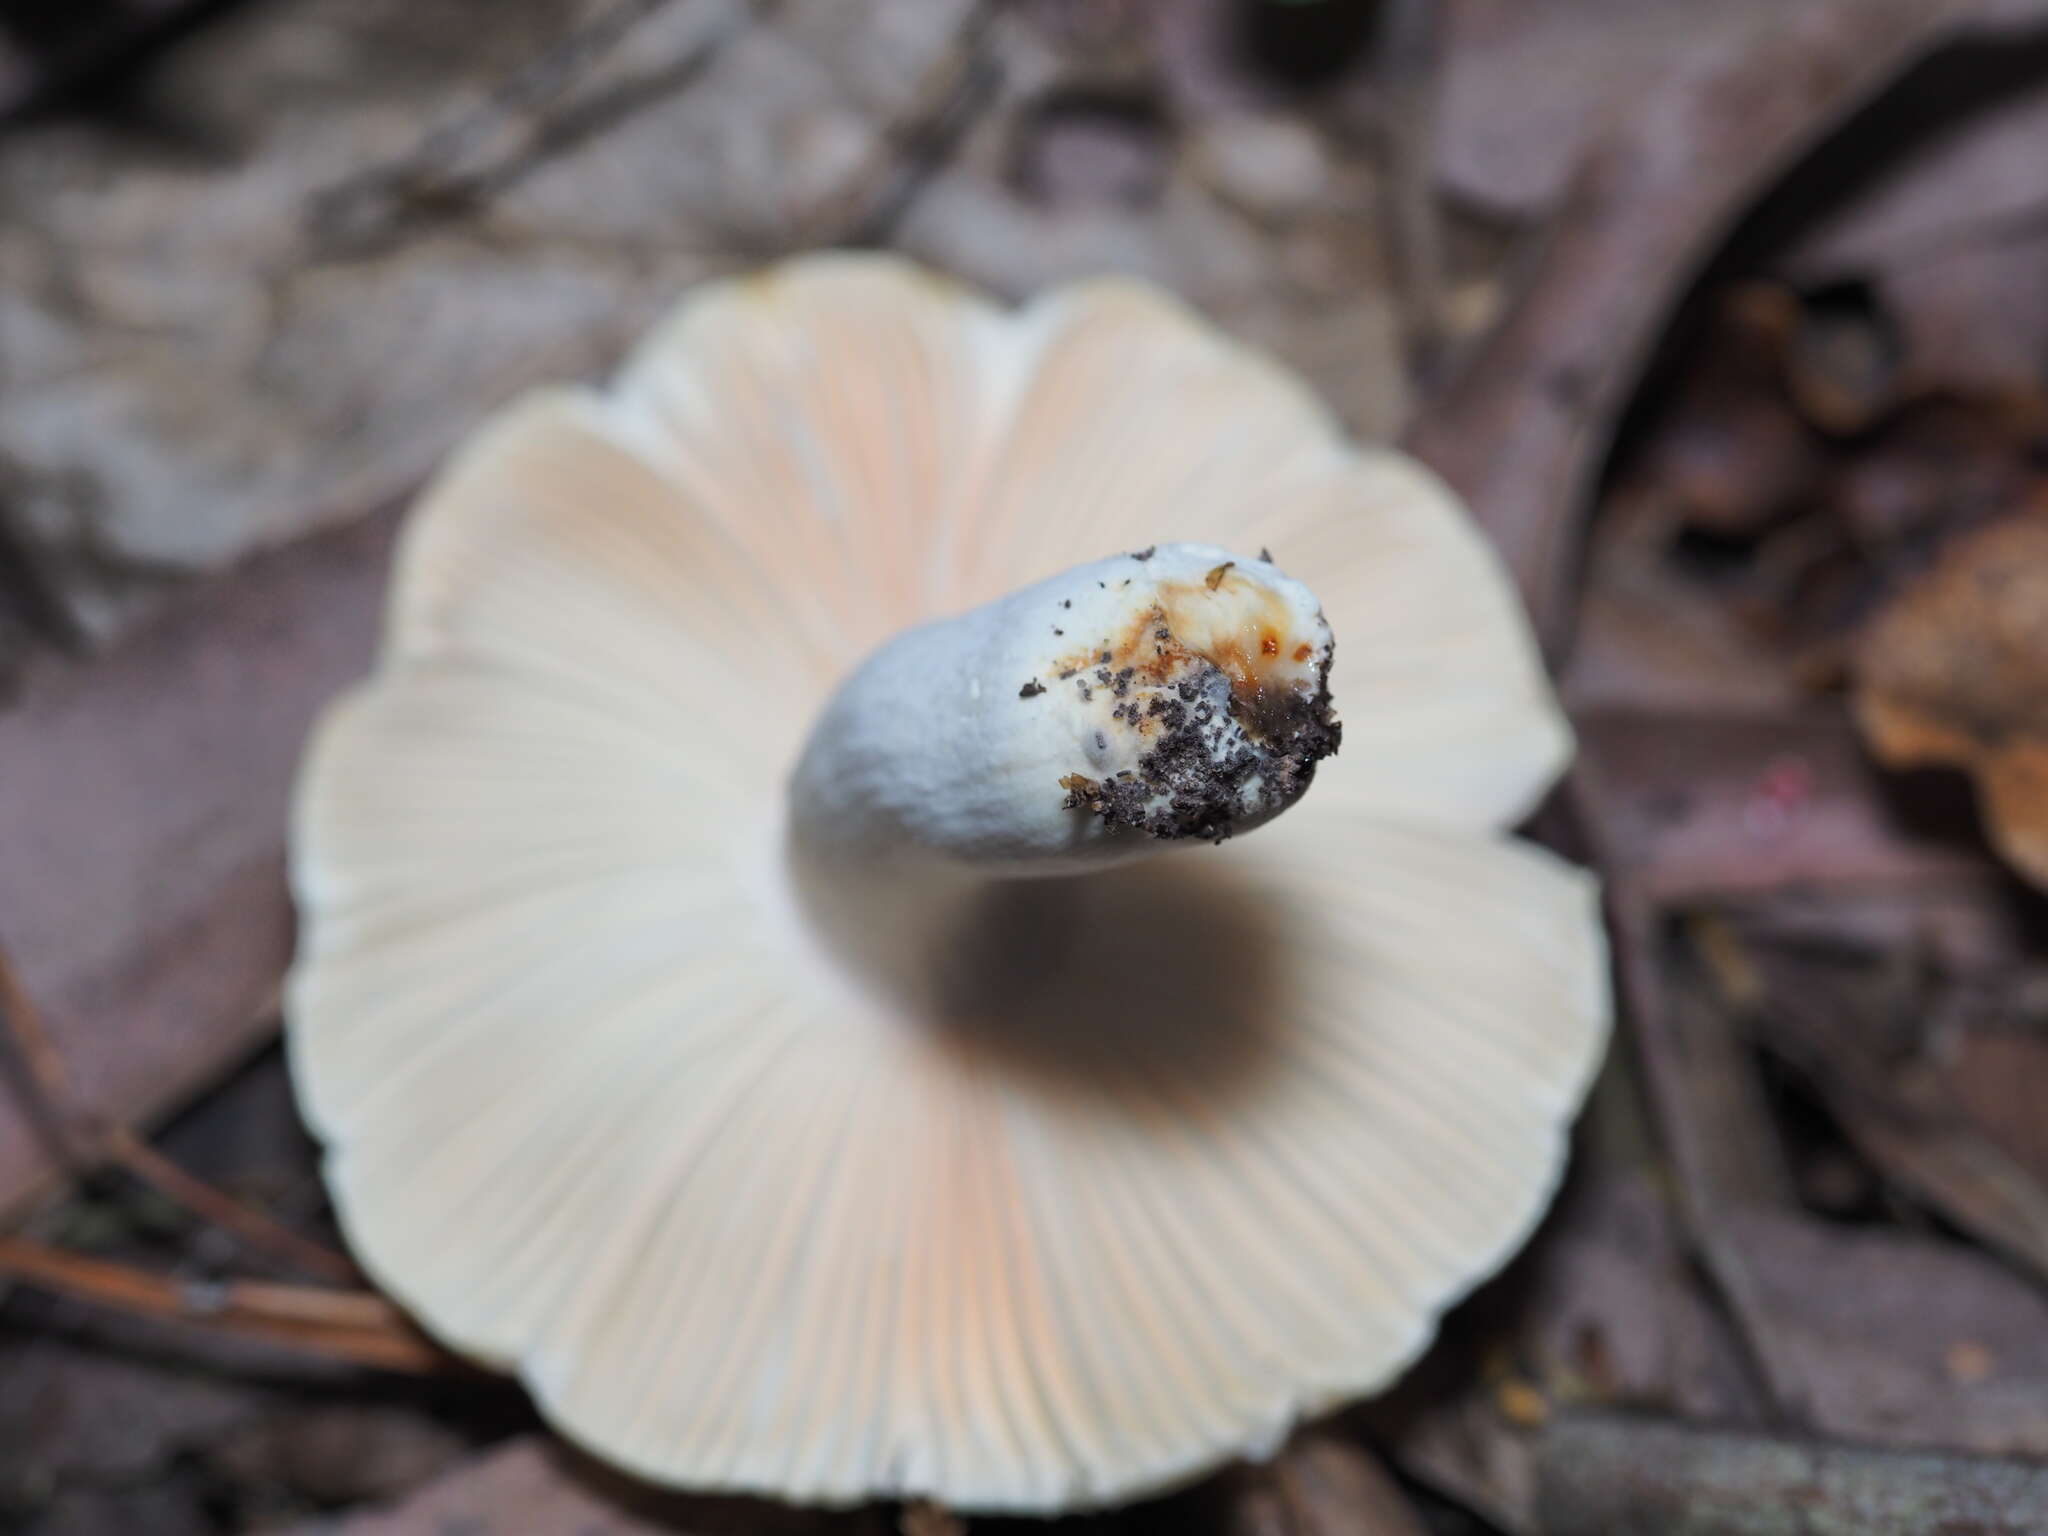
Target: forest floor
[(1731, 323)]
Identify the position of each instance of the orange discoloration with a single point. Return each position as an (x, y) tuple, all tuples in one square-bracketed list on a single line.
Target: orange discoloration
[(1147, 646), (1224, 676), (1226, 619)]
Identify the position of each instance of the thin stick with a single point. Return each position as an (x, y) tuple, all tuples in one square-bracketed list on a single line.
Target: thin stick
[(49, 1085), (345, 1325), (83, 1145), (1599, 1475), (1410, 72), (254, 1228)]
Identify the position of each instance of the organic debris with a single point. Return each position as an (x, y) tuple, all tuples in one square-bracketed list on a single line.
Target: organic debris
[(1954, 673), (1730, 326)]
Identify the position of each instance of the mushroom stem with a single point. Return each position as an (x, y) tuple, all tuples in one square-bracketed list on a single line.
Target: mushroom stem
[(1169, 693)]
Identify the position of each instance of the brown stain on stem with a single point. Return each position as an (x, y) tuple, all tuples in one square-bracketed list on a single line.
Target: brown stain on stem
[(1151, 647)]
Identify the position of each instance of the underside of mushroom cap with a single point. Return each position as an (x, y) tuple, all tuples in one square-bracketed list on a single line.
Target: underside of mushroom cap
[(1184, 1149)]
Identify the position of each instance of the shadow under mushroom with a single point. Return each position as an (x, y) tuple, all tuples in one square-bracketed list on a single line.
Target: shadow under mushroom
[(1170, 970)]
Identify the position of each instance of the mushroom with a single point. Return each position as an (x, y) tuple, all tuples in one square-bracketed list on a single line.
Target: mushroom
[(832, 1065)]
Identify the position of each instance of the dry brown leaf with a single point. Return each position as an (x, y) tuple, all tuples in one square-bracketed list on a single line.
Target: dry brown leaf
[(382, 221), (2014, 783), (82, 1413), (1976, 173), (1605, 1307), (1856, 1034), (1648, 636), (1716, 806), (1955, 673), (1727, 453), (1938, 463), (1900, 1339), (337, 1452), (1974, 316), (533, 1485), (2000, 1081), (143, 799), (1525, 431), (1332, 1486), (1531, 86)]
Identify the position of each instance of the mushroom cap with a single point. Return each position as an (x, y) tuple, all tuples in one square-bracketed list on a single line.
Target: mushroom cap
[(1198, 1145)]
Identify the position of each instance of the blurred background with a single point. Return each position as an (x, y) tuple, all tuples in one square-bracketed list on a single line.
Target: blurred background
[(1729, 319)]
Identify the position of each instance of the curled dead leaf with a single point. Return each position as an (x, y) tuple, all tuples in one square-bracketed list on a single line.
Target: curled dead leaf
[(1955, 673)]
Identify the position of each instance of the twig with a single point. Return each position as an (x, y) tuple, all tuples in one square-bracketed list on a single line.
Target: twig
[(1410, 71), (1909, 1127), (84, 1145), (1634, 922), (255, 1229), (584, 81), (47, 1085), (1602, 1476), (345, 1325), (1525, 432), (946, 104)]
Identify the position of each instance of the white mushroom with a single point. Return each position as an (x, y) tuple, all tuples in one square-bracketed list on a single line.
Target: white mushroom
[(758, 1031)]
